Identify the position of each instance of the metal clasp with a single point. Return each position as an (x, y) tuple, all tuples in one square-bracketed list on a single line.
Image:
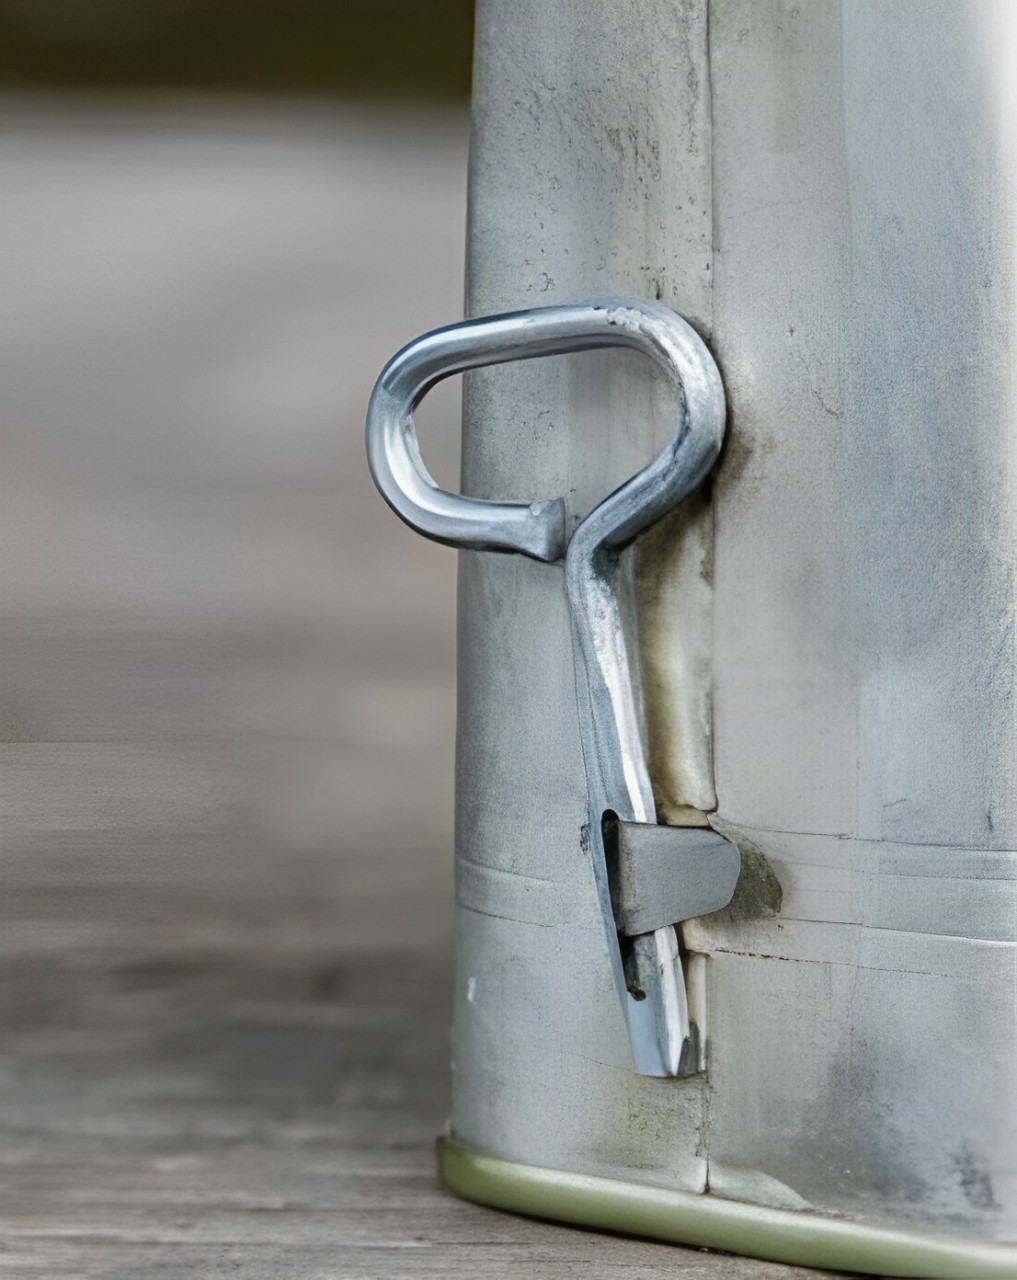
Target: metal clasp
[(640, 869)]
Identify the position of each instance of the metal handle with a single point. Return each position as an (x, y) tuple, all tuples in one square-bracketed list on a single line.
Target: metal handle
[(538, 529), (648, 977)]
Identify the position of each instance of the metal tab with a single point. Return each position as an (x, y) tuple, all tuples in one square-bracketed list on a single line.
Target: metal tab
[(661, 876)]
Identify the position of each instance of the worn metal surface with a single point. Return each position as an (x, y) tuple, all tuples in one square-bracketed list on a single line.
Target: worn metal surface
[(537, 236), (864, 576), (846, 246)]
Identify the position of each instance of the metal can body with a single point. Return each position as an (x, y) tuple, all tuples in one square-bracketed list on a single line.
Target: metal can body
[(826, 192)]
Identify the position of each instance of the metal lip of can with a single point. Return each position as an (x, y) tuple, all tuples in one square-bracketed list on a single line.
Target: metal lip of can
[(711, 1222)]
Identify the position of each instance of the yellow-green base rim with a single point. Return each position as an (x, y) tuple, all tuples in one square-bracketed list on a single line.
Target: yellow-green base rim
[(707, 1221)]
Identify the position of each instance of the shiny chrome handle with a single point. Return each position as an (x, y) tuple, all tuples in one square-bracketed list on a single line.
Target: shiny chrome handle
[(537, 529), (648, 975)]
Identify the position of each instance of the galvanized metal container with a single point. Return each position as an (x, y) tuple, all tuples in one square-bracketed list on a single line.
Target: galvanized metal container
[(827, 192)]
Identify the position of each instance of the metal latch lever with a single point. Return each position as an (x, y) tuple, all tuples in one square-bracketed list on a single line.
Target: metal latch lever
[(649, 976)]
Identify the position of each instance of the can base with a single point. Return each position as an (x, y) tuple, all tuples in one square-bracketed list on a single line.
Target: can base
[(707, 1221)]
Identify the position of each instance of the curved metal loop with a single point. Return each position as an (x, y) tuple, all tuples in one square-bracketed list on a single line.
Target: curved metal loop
[(537, 529)]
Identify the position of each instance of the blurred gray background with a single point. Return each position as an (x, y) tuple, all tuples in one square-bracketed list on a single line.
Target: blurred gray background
[(226, 700), (226, 670), (215, 637)]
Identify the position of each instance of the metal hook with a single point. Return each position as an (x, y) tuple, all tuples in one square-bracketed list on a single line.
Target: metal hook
[(649, 979)]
